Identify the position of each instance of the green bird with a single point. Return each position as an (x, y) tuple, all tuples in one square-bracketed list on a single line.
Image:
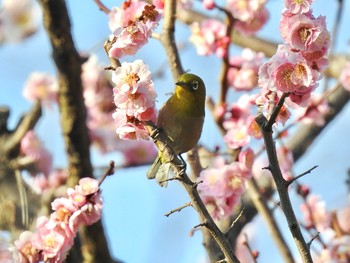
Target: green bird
[(181, 119)]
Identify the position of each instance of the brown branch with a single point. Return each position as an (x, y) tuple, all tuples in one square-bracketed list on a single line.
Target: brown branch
[(282, 189), (265, 212), (191, 188), (73, 116), (102, 7), (168, 40), (178, 209), (26, 123), (307, 133)]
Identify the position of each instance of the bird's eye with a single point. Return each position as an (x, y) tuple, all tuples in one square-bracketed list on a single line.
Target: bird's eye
[(195, 85)]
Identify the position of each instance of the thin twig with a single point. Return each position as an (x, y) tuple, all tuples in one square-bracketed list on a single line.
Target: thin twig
[(178, 209), (301, 175), (312, 239), (102, 7), (253, 254), (110, 171), (276, 110), (235, 221)]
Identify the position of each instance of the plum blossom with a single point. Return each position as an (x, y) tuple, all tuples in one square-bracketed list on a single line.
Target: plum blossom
[(131, 26), (139, 152), (315, 213), (315, 113), (243, 73), (18, 20), (245, 10), (98, 97), (344, 78), (54, 236), (252, 26), (31, 147), (134, 97), (237, 121), (223, 184), (209, 37), (298, 7), (41, 86), (306, 33), (297, 65)]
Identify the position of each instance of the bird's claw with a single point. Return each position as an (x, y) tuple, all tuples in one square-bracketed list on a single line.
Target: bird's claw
[(155, 134)]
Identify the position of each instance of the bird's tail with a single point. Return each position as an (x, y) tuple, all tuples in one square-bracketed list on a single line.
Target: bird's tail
[(160, 171), (152, 173)]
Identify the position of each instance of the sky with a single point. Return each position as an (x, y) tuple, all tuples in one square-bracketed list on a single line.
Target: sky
[(134, 207)]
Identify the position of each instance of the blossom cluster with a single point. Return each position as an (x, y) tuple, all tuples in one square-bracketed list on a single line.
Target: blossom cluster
[(243, 72), (41, 86), (18, 20), (134, 98), (239, 122), (296, 67), (250, 15), (131, 25), (209, 37), (54, 236), (333, 226), (223, 184), (98, 98), (43, 176)]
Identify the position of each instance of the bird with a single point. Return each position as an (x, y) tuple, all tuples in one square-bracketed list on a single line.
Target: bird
[(181, 119)]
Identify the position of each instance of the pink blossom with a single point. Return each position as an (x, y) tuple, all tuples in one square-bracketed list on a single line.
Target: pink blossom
[(209, 37), (134, 97), (139, 152), (41, 86), (32, 148), (27, 252), (298, 7), (50, 243), (18, 20), (337, 251), (54, 236), (315, 213), (245, 10), (98, 97), (315, 112), (344, 78), (129, 12), (305, 33), (131, 25), (237, 134), (243, 73), (222, 187), (286, 161), (252, 26), (208, 4)]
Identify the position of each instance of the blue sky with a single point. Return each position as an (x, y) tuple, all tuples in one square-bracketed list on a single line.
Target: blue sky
[(134, 210)]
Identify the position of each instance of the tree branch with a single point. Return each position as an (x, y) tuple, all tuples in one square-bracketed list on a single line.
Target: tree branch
[(73, 116), (167, 38), (282, 189), (191, 188)]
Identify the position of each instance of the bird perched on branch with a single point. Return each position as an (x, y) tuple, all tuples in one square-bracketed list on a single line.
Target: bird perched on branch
[(181, 120)]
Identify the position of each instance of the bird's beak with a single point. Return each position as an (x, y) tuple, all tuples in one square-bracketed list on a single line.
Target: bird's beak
[(181, 84)]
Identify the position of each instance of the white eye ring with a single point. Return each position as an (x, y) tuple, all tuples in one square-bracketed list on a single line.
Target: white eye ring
[(195, 85)]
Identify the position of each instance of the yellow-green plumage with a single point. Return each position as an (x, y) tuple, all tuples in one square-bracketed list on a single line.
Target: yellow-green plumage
[(181, 117)]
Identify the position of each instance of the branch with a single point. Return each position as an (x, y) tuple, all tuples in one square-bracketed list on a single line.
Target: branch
[(191, 188), (26, 124), (167, 38), (265, 212), (282, 189), (73, 116), (307, 133)]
